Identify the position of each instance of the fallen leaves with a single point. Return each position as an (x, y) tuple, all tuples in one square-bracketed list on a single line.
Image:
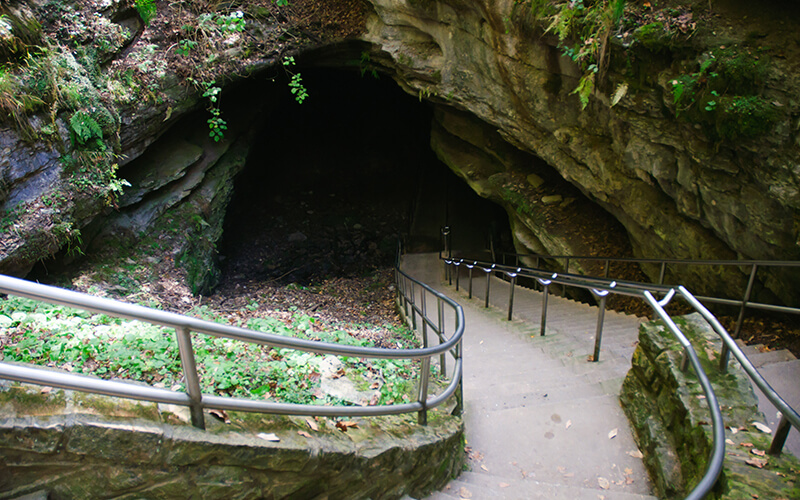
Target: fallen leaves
[(758, 452), (758, 463), (612, 433), (568, 424), (763, 428), (312, 424), (636, 454), (343, 426), (220, 414), (464, 493), (603, 483), (269, 437), (304, 434)]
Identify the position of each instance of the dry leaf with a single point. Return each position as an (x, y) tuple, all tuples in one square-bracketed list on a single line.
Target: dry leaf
[(46, 389), (612, 433), (569, 474), (375, 385), (758, 452), (746, 445), (343, 426), (269, 437), (734, 430), (629, 480), (636, 454), (628, 470), (622, 89), (763, 428), (729, 442), (464, 493), (756, 462), (304, 434), (312, 424), (220, 414), (484, 468), (568, 425), (503, 485), (603, 483)]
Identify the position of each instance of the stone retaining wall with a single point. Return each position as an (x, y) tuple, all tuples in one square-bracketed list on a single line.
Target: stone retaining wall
[(672, 423), (72, 445)]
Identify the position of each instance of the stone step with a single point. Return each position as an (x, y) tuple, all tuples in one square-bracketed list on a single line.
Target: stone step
[(505, 487), (505, 398)]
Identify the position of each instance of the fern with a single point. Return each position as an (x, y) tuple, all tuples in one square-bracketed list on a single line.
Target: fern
[(86, 131), (146, 9), (585, 88)]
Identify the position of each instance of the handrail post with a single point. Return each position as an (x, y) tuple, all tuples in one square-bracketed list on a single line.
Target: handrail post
[(458, 273), (745, 300), (470, 267), (545, 294), (781, 433), (424, 317), (190, 375), (422, 416), (488, 285), (413, 307), (662, 273), (598, 335), (608, 268), (566, 267), (511, 293), (443, 356)]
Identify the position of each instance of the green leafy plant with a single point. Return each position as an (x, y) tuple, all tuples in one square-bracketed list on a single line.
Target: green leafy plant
[(147, 10), (723, 96), (584, 30), (109, 347), (296, 81), (185, 47), (216, 124), (86, 132)]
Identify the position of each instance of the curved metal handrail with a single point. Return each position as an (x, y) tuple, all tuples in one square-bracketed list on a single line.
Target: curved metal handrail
[(197, 401), (601, 288)]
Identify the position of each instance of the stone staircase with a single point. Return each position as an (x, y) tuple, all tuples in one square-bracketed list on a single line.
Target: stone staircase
[(782, 370), (542, 421)]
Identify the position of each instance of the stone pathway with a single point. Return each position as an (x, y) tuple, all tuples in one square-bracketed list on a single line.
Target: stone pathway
[(541, 420)]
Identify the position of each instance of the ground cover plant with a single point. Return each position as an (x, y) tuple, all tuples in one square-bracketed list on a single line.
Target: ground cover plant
[(83, 342)]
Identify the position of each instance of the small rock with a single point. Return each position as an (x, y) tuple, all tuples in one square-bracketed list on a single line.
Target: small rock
[(552, 199), (297, 237), (534, 180)]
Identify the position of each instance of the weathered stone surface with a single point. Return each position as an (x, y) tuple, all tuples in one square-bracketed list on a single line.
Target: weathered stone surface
[(675, 194), (79, 451), (671, 422)]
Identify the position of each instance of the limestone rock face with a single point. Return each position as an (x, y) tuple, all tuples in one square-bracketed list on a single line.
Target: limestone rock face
[(676, 193)]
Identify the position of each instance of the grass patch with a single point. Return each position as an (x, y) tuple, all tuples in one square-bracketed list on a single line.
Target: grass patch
[(82, 342)]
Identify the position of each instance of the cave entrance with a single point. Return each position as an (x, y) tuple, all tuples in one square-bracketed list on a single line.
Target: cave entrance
[(329, 185)]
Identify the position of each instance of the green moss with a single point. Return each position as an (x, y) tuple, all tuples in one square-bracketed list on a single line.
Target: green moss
[(31, 400), (654, 36), (745, 117), (116, 407)]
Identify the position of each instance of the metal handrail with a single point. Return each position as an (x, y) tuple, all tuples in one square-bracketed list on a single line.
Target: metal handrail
[(197, 401), (744, 303), (601, 288), (789, 416)]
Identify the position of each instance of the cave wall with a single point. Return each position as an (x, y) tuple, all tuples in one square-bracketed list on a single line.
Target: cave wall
[(504, 92), (676, 193)]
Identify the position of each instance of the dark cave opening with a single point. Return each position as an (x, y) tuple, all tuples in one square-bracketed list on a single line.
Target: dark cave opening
[(330, 184)]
